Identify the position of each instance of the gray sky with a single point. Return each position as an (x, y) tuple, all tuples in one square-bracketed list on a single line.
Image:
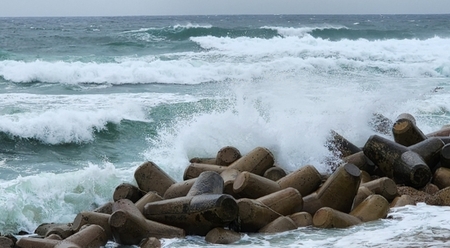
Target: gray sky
[(214, 7)]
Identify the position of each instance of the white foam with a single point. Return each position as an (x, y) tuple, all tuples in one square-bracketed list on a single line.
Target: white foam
[(293, 116), (27, 202), (400, 58), (174, 27), (74, 118), (232, 59), (301, 31), (191, 25), (188, 70), (147, 34)]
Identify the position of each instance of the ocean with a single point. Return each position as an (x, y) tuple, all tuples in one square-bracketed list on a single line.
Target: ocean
[(85, 100)]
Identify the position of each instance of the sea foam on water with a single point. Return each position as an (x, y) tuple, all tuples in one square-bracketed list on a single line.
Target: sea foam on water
[(80, 117)]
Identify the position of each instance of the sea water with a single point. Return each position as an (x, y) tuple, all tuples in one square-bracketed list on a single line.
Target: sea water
[(85, 100)]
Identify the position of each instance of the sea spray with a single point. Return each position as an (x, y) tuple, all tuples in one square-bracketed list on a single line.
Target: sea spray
[(48, 197)]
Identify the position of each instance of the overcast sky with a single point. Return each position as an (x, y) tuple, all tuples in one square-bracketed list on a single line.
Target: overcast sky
[(214, 7)]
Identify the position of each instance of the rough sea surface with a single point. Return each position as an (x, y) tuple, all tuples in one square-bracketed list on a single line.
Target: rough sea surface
[(85, 100)]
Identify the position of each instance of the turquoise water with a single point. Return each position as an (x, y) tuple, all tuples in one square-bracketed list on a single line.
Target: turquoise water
[(84, 101)]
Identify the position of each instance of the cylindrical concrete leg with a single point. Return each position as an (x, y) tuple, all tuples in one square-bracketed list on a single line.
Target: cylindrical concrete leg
[(105, 208), (203, 160), (197, 215), (285, 202), (275, 173), (53, 236), (63, 231), (412, 170), (36, 243), (443, 197), (6, 242), (280, 224), (151, 196), (89, 218), (445, 156), (127, 191), (429, 150), (195, 169), (301, 219), (179, 189), (208, 182), (329, 218), (150, 177), (340, 188), (361, 161), (372, 208), (44, 228), (254, 215), (88, 236), (340, 146), (402, 200), (383, 153), (220, 235), (365, 177), (441, 177), (151, 242), (406, 132), (253, 186), (311, 203), (256, 161), (227, 155), (361, 195), (383, 186), (228, 176), (306, 180), (129, 226)]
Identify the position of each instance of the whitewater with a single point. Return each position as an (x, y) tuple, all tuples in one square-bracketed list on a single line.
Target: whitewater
[(85, 100)]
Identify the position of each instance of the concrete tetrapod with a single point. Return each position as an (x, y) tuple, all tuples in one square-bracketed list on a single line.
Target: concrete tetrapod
[(91, 236), (257, 161), (330, 218), (397, 161), (150, 177), (406, 132), (284, 202), (374, 207), (90, 218), (129, 226), (306, 180), (197, 215)]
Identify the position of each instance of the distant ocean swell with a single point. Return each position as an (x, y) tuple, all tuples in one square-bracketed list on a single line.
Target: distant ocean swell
[(184, 33), (228, 58), (326, 32)]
